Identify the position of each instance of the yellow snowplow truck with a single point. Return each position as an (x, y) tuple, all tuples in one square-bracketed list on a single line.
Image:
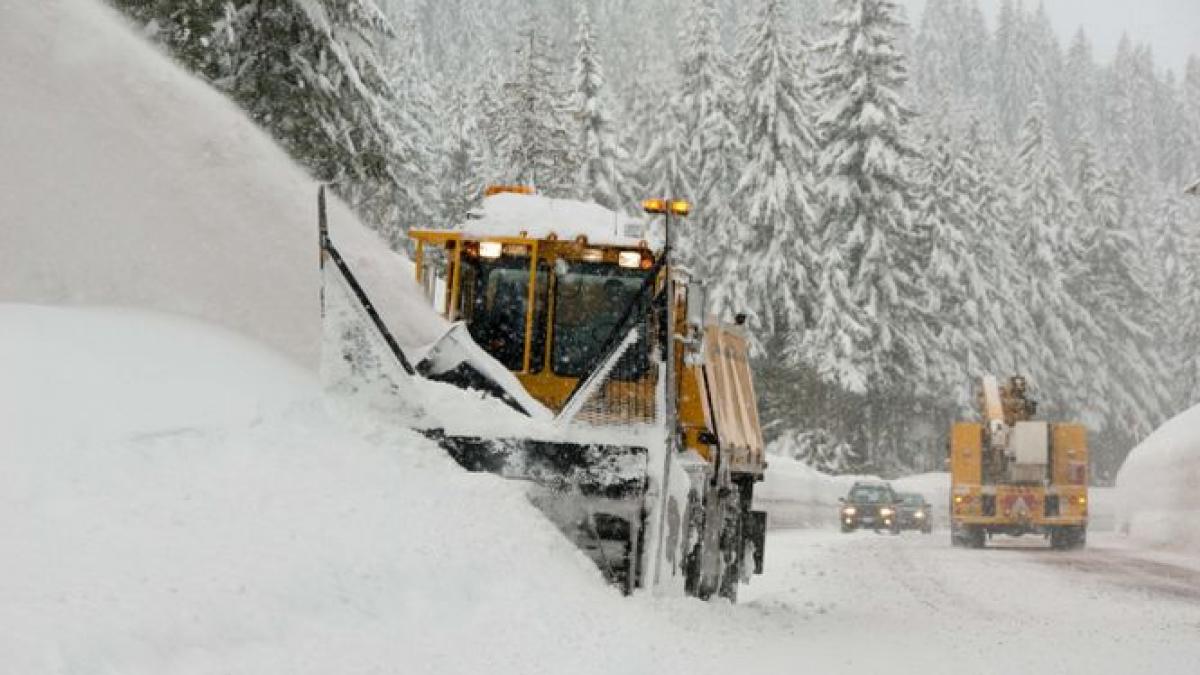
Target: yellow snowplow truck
[(639, 435), (1014, 475)]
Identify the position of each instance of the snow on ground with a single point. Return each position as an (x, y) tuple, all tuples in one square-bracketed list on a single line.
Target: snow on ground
[(178, 499), (125, 181), (867, 603), (1158, 487)]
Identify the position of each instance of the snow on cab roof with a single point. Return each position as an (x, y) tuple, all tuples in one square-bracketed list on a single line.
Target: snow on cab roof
[(507, 214)]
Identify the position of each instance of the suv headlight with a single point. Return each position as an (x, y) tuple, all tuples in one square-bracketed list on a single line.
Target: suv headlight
[(919, 514), (849, 511), (885, 512)]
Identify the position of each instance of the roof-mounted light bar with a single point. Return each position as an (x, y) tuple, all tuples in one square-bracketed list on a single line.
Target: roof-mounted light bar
[(514, 189)]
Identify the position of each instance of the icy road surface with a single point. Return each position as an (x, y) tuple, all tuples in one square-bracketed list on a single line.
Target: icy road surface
[(913, 604)]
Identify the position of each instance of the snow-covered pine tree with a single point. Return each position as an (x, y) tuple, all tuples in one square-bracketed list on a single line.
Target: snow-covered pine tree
[(958, 291), (1176, 277), (865, 326), (532, 124), (462, 169), (414, 113), (603, 163), (1108, 286), (1079, 95), (766, 262), (663, 167), (937, 80), (1066, 335), (1174, 142), (866, 334), (1190, 93), (1013, 79), (708, 110)]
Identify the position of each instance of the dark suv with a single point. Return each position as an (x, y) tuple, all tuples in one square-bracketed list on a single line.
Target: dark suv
[(914, 513), (869, 505)]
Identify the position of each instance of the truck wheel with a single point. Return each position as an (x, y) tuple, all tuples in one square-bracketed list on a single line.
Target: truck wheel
[(1068, 538), (976, 538), (1080, 538)]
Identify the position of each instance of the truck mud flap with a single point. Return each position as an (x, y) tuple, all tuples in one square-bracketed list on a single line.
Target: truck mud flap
[(756, 534)]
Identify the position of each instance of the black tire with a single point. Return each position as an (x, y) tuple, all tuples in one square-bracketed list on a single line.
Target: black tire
[(1068, 538), (976, 537)]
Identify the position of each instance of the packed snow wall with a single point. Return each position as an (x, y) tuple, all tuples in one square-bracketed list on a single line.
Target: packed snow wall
[(1158, 487), (125, 181)]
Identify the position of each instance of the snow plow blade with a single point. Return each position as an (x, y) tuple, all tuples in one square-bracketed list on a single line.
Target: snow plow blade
[(594, 493), (589, 469)]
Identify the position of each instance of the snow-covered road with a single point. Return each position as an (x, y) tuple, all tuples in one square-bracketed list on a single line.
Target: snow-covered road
[(913, 604)]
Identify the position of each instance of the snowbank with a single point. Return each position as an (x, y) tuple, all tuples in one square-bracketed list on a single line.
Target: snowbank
[(125, 181), (797, 495), (177, 499), (1158, 486)]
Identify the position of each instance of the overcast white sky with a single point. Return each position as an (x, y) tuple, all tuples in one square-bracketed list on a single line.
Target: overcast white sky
[(1171, 27)]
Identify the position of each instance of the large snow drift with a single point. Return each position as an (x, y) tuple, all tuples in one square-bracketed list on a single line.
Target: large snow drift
[(1158, 487), (125, 181), (176, 499)]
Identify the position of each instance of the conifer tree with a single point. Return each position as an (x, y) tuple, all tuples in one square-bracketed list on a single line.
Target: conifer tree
[(532, 123), (463, 167), (1066, 335), (775, 200), (864, 328), (603, 163), (708, 110)]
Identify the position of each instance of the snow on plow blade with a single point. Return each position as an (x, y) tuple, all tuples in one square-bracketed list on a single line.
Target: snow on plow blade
[(456, 359), (593, 493)]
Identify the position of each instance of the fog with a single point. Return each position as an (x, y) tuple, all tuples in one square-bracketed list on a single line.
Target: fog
[(1171, 27)]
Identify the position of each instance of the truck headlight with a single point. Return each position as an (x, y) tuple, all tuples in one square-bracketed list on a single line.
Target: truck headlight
[(849, 510), (885, 512), (919, 514)]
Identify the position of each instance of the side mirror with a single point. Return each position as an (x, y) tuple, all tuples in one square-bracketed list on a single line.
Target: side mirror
[(842, 500), (707, 437)]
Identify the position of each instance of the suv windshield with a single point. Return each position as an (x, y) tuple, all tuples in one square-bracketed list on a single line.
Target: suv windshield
[(870, 494), (589, 300)]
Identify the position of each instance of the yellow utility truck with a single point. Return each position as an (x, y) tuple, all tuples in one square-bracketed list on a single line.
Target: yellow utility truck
[(1011, 474)]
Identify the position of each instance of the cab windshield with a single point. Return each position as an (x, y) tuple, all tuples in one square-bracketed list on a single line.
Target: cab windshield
[(495, 299), (589, 301)]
